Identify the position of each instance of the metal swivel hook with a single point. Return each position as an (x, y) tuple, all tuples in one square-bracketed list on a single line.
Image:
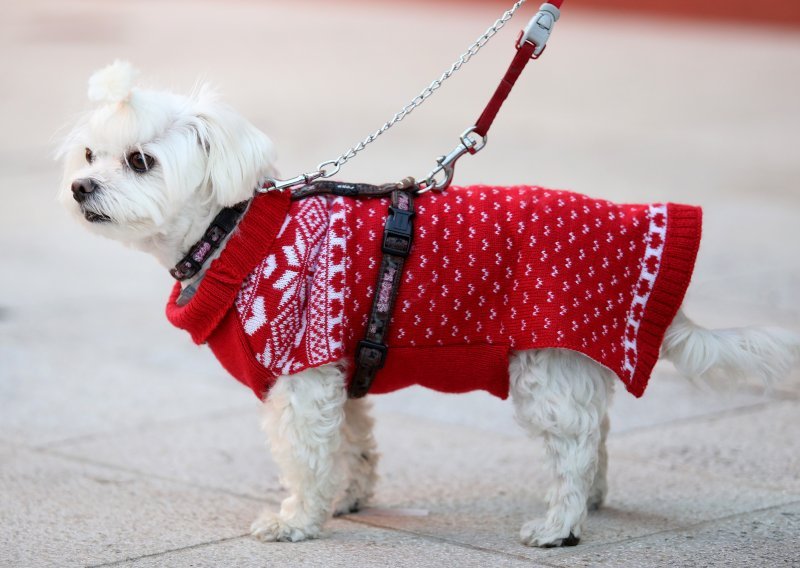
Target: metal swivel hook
[(446, 165)]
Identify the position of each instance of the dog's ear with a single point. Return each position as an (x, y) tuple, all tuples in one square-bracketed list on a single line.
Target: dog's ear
[(239, 155)]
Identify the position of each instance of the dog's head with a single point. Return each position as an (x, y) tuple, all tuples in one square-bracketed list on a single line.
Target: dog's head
[(144, 164)]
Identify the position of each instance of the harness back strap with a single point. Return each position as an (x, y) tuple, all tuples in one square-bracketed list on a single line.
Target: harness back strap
[(342, 189)]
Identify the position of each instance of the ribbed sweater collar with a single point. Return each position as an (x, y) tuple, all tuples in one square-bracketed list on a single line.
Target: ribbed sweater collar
[(247, 246)]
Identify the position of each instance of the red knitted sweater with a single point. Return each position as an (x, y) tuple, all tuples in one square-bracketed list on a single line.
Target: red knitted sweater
[(491, 270)]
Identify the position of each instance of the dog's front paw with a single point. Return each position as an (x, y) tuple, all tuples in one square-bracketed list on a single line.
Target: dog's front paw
[(270, 527), (536, 533)]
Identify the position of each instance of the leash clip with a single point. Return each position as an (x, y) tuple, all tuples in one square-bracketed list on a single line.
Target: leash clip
[(446, 165), (324, 170), (539, 28), (275, 184)]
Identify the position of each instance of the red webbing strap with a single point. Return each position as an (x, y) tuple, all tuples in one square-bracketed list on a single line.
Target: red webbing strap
[(519, 62), (524, 54)]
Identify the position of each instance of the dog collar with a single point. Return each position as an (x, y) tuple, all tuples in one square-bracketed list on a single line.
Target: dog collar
[(222, 225)]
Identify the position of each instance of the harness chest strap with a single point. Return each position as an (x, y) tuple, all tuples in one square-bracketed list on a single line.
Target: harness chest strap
[(397, 238)]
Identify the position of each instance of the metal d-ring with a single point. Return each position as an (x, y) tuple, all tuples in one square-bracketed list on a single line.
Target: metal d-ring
[(326, 174)]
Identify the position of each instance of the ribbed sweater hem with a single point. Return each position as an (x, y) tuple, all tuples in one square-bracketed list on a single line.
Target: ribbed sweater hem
[(684, 224)]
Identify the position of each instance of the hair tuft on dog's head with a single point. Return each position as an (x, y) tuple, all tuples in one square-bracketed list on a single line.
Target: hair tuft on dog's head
[(112, 84)]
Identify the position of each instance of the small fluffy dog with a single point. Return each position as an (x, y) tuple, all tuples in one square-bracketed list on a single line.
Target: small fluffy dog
[(544, 295)]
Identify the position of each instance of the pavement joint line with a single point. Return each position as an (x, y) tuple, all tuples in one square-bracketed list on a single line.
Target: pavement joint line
[(163, 552), (695, 472), (767, 392), (142, 427), (144, 474), (431, 538), (710, 417), (676, 530), (439, 539)]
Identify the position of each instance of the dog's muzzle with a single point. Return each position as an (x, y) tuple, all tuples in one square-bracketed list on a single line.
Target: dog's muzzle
[(82, 190)]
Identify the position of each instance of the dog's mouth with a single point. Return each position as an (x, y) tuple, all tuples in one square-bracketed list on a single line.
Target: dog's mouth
[(94, 217)]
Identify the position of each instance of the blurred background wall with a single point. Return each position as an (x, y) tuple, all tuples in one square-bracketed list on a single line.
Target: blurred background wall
[(777, 12)]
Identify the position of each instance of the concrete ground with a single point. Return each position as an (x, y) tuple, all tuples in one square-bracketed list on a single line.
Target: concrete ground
[(123, 444)]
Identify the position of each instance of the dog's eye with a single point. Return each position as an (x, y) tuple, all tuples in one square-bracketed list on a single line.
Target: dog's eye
[(140, 162), (89, 155)]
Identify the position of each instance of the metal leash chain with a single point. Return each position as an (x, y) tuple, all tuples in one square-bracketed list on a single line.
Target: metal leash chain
[(329, 168)]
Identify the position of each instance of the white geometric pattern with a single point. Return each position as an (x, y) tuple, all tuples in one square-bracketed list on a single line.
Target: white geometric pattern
[(302, 272), (651, 264)]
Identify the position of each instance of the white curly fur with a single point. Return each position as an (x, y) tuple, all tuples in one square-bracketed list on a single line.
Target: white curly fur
[(207, 157), (113, 84), (766, 353), (324, 446)]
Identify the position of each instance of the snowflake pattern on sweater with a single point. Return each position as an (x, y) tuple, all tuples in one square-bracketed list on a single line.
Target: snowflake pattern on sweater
[(491, 270)]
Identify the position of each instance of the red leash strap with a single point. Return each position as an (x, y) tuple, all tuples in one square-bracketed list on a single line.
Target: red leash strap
[(524, 54), (530, 45)]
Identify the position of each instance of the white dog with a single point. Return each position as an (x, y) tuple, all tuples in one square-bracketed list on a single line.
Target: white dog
[(153, 169)]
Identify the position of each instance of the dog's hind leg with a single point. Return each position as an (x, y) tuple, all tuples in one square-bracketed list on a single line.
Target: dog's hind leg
[(303, 416), (564, 396), (360, 455), (599, 488)]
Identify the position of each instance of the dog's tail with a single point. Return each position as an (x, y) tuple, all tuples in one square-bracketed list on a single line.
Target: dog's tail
[(764, 353)]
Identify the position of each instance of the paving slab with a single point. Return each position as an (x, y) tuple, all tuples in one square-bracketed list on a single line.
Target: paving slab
[(68, 374), (753, 447), (765, 538), (227, 452), (345, 545), (57, 512)]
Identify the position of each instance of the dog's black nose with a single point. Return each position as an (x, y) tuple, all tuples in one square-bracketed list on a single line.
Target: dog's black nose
[(81, 188)]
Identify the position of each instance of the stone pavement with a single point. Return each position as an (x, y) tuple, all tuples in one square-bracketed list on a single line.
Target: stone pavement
[(123, 444)]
